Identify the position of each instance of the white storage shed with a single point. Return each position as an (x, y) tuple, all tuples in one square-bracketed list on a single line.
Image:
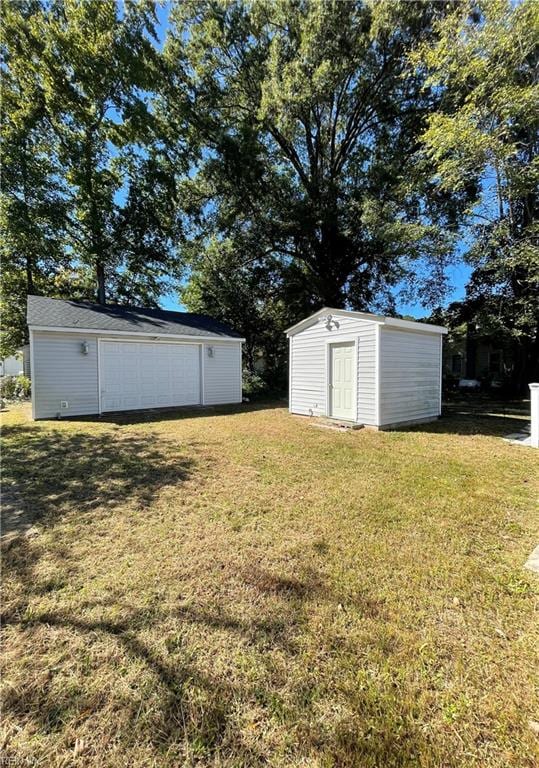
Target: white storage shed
[(366, 369), (90, 359)]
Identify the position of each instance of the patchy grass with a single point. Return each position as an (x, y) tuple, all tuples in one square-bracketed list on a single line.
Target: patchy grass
[(236, 588)]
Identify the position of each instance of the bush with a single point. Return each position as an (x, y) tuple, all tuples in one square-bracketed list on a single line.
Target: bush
[(8, 385), (15, 387), (253, 385), (24, 387), (257, 387)]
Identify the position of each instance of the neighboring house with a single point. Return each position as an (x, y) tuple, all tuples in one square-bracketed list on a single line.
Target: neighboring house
[(12, 366), (367, 369), (470, 355), (89, 359)]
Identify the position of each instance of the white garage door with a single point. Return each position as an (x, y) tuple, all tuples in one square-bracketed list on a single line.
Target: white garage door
[(146, 375)]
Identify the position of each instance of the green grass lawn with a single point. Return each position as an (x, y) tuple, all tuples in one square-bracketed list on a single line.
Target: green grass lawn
[(237, 588)]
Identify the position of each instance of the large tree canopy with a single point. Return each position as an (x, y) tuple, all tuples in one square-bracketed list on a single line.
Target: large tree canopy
[(311, 114), (88, 203), (275, 154), (32, 212), (486, 127)]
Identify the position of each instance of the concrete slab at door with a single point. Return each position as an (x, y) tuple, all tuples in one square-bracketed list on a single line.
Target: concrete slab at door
[(342, 385)]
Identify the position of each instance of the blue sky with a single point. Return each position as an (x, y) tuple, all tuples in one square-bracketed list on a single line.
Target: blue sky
[(457, 273)]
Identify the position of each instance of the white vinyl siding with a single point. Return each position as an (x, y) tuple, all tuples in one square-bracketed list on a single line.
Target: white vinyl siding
[(63, 373), (308, 361), (366, 384), (409, 376), (222, 374)]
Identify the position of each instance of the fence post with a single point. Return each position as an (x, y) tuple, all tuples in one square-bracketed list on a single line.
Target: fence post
[(534, 397)]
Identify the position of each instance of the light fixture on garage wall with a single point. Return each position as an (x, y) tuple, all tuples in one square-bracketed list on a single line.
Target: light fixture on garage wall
[(210, 351), (84, 347)]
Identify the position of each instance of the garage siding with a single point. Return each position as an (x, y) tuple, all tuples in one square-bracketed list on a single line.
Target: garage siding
[(308, 392), (222, 374), (409, 376), (62, 373)]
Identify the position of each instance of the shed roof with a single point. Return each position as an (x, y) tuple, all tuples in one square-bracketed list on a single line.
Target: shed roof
[(395, 322), (58, 314)]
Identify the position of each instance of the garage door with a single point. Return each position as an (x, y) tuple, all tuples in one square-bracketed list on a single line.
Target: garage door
[(145, 375)]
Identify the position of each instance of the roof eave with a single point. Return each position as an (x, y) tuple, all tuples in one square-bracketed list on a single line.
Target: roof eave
[(150, 334), (411, 325), (367, 316), (332, 311)]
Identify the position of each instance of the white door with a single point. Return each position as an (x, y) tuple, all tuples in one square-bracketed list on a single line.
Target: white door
[(343, 381), (147, 375)]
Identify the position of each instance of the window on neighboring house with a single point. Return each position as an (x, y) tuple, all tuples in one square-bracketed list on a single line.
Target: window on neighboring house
[(456, 364), (495, 362)]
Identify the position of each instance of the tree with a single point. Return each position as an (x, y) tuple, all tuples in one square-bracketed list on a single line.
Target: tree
[(97, 67), (89, 199), (231, 281), (310, 117), (486, 127), (32, 203)]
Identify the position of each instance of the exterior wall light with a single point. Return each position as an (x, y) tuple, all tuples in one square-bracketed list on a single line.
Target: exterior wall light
[(84, 347), (210, 351), (329, 322)]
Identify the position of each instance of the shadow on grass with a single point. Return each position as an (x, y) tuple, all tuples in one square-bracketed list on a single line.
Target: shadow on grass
[(197, 707), (173, 722), (190, 707), (193, 707), (467, 424), (479, 417), (122, 418), (81, 474), (60, 471)]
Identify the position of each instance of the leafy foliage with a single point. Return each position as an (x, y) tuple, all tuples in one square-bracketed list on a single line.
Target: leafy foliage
[(487, 126), (257, 296), (275, 155), (86, 189), (309, 116), (32, 210)]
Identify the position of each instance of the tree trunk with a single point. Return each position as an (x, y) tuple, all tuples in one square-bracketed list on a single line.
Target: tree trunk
[(97, 250), (100, 276), (335, 259), (29, 275), (28, 256), (330, 279)]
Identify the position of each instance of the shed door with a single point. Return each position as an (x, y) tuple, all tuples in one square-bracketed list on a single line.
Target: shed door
[(148, 375), (343, 381)]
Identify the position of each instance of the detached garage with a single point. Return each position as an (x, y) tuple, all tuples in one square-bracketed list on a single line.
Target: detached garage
[(365, 369), (90, 359)]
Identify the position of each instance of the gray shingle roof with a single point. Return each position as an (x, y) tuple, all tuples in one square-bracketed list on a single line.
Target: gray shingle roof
[(56, 313)]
